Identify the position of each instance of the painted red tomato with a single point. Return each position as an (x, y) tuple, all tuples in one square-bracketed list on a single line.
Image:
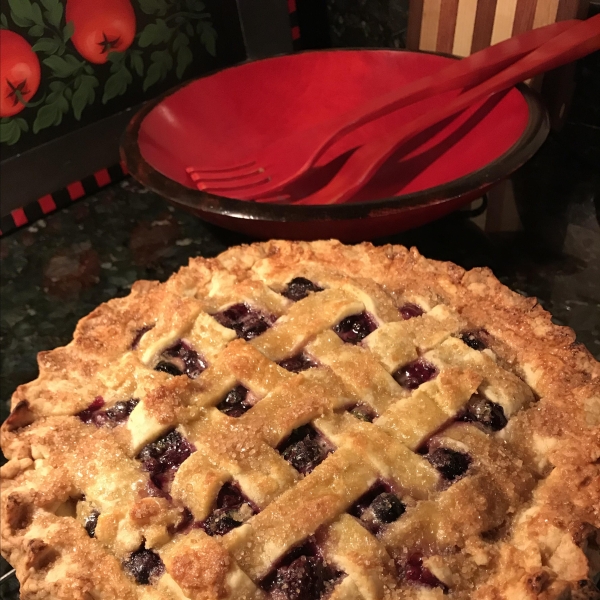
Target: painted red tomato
[(19, 73), (101, 27)]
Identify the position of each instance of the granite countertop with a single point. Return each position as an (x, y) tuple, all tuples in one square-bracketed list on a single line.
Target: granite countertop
[(59, 269)]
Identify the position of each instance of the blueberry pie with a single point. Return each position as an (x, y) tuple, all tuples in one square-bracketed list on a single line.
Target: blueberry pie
[(308, 421)]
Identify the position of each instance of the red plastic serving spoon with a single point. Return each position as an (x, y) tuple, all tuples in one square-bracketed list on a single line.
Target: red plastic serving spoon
[(578, 41), (288, 158)]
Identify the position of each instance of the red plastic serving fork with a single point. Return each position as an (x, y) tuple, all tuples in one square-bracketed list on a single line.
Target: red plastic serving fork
[(578, 41), (288, 158)]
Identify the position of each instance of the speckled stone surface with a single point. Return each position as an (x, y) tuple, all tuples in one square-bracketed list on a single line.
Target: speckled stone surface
[(61, 268)]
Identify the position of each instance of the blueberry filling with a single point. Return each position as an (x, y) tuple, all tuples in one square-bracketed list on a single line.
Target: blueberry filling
[(377, 507), (87, 414), (235, 404), (151, 491), (414, 570), (181, 359), (185, 523), (121, 410), (301, 575), (305, 449), (409, 310), (298, 363), (387, 508), (111, 417), (247, 322), (167, 367), (355, 328), (90, 523), (363, 413), (163, 457), (139, 334), (144, 565), (415, 373), (473, 339), (450, 463), (299, 287), (486, 412), (232, 510)]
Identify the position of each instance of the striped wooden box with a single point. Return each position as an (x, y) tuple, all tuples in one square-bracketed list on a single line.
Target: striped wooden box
[(461, 27)]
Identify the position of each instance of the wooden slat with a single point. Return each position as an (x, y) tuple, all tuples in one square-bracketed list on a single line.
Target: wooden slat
[(484, 24), (567, 9), (415, 18), (504, 20), (465, 25), (447, 26), (545, 13), (430, 24), (524, 14)]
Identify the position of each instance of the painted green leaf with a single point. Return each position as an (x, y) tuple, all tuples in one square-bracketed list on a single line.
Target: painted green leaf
[(68, 31), (10, 132), (3, 21), (57, 86), (153, 75), (162, 63), (62, 67), (114, 56), (147, 6), (47, 45), (36, 14), (22, 123), (84, 94), (21, 10), (54, 11), (184, 59), (36, 31), (196, 5), (208, 36), (189, 29), (73, 62), (180, 40), (116, 84), (56, 105), (137, 62), (155, 33), (20, 21), (117, 60), (63, 104), (154, 7), (46, 116)]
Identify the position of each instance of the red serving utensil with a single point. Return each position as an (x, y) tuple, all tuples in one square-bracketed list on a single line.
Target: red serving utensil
[(578, 41), (288, 158)]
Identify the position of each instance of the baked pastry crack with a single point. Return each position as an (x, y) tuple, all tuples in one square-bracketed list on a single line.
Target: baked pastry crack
[(308, 421)]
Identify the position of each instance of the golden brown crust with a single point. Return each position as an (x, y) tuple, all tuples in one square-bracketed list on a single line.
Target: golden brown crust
[(523, 524)]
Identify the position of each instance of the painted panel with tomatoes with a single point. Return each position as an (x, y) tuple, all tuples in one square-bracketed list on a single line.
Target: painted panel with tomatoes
[(67, 63)]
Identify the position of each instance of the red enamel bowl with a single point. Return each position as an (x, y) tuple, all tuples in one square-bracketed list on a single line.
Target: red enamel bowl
[(226, 116)]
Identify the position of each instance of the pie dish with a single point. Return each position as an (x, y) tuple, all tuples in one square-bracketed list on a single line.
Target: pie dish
[(299, 421)]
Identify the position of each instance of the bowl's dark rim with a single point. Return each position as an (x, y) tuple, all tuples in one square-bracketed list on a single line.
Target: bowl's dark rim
[(521, 151)]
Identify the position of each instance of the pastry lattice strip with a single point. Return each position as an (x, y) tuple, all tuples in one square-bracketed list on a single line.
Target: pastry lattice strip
[(357, 375)]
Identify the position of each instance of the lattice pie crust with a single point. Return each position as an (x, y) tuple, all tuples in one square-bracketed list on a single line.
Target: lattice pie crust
[(308, 420)]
